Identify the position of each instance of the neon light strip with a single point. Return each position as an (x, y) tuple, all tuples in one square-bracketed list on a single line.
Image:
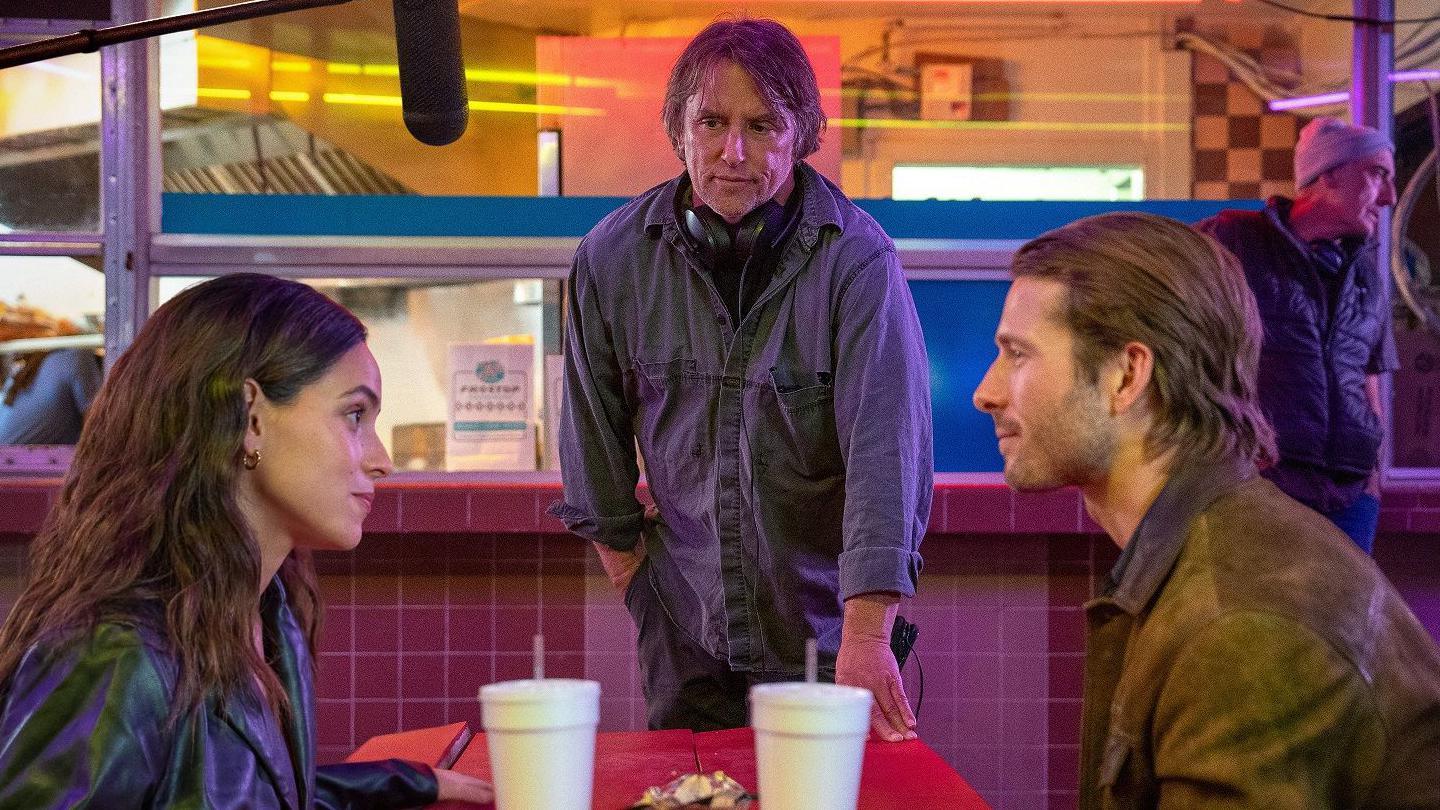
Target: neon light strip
[(361, 98), (537, 109), (1309, 101), (1344, 96), (222, 92), (895, 93), (480, 106), (223, 63), (1011, 126)]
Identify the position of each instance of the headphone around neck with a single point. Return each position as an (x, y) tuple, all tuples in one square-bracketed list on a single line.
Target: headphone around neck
[(711, 235)]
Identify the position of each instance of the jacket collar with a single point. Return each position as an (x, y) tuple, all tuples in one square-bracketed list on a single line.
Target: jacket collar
[(1160, 537), (248, 714), (1277, 213)]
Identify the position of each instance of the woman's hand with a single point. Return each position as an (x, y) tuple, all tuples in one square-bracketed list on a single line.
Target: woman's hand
[(456, 786)]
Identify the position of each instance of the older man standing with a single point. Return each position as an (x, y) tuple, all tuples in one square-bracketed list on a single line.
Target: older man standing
[(1242, 652), (1326, 309), (751, 330)]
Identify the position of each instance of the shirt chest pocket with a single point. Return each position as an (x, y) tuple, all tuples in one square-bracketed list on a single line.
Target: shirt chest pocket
[(672, 406), (800, 431)]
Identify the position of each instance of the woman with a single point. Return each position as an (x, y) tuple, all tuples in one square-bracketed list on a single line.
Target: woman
[(161, 654)]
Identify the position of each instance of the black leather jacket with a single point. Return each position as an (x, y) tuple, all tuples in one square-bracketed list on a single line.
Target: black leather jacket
[(84, 724)]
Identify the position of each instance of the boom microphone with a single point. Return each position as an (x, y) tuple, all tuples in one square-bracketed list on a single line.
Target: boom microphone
[(432, 76)]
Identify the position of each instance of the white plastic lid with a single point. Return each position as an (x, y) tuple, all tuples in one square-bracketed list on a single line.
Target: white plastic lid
[(539, 704), (809, 708)]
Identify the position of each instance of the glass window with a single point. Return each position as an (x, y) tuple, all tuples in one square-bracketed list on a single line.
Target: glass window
[(49, 145), (470, 368), (1018, 183), (309, 102), (51, 310)]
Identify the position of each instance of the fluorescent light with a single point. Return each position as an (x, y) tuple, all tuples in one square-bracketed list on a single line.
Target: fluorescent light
[(1309, 101), (1344, 96)]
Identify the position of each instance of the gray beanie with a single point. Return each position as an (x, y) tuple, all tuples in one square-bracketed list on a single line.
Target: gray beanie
[(1328, 142)]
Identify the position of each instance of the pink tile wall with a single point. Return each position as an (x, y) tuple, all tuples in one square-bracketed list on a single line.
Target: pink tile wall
[(417, 622)]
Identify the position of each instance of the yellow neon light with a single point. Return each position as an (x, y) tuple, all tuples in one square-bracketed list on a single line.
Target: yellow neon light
[(221, 62), (283, 66), (1011, 126), (222, 92), (1067, 97), (537, 109), (380, 70), (343, 67), (479, 106), (289, 95), (516, 77), (1014, 96), (361, 98)]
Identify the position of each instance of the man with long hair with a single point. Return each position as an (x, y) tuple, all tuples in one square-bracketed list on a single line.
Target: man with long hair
[(1242, 652), (751, 329)]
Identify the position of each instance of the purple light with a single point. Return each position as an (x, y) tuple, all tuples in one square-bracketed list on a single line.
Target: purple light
[(1342, 97), (1415, 76), (1308, 101)]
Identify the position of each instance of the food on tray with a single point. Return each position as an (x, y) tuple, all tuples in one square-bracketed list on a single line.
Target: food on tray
[(696, 791)]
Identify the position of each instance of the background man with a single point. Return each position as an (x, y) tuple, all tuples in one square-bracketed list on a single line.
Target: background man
[(1242, 652), (1326, 309), (751, 329)]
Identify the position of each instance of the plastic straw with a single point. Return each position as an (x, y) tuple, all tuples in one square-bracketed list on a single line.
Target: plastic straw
[(812, 661), (539, 656)]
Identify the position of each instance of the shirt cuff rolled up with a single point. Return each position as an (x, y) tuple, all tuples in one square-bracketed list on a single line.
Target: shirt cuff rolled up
[(620, 532), (879, 568)]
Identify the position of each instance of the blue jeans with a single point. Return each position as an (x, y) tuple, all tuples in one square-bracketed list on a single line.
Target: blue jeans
[(1359, 520)]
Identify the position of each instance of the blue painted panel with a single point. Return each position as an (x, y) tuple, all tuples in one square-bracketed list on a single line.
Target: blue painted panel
[(411, 215), (959, 320)]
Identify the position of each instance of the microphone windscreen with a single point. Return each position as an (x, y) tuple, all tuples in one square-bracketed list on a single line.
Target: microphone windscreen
[(432, 75)]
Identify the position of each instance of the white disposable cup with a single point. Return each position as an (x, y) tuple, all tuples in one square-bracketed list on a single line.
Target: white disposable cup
[(541, 735), (809, 744)]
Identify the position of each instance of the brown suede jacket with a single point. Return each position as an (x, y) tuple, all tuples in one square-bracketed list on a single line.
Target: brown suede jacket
[(1251, 656)]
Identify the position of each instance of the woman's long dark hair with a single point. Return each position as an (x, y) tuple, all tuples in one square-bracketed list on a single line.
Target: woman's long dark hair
[(148, 519)]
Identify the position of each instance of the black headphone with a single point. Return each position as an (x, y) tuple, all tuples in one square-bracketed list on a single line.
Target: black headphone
[(710, 235)]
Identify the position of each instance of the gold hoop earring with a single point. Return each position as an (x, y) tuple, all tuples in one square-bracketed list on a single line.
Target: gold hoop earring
[(250, 460)]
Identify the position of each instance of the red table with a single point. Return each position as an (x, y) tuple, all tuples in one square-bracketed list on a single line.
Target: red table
[(895, 776)]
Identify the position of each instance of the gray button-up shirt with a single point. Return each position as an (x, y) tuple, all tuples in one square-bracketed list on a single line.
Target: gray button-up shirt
[(789, 455)]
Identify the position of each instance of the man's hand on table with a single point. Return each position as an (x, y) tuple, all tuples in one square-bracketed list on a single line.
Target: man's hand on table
[(456, 786), (865, 660)]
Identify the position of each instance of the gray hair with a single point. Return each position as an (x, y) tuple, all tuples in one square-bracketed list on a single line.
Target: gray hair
[(773, 58)]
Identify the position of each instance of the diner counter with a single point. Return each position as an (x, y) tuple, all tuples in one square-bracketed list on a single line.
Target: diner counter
[(516, 504), (894, 776)]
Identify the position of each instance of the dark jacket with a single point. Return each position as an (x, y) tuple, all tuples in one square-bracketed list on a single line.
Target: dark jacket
[(1323, 335), (1252, 656), (789, 454), (84, 725)]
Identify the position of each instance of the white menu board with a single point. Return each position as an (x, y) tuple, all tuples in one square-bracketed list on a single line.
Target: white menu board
[(491, 402)]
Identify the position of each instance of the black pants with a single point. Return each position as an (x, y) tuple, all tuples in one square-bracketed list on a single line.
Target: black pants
[(684, 686)]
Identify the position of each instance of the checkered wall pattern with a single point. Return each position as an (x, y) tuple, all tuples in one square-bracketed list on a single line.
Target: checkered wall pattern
[(1241, 149)]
